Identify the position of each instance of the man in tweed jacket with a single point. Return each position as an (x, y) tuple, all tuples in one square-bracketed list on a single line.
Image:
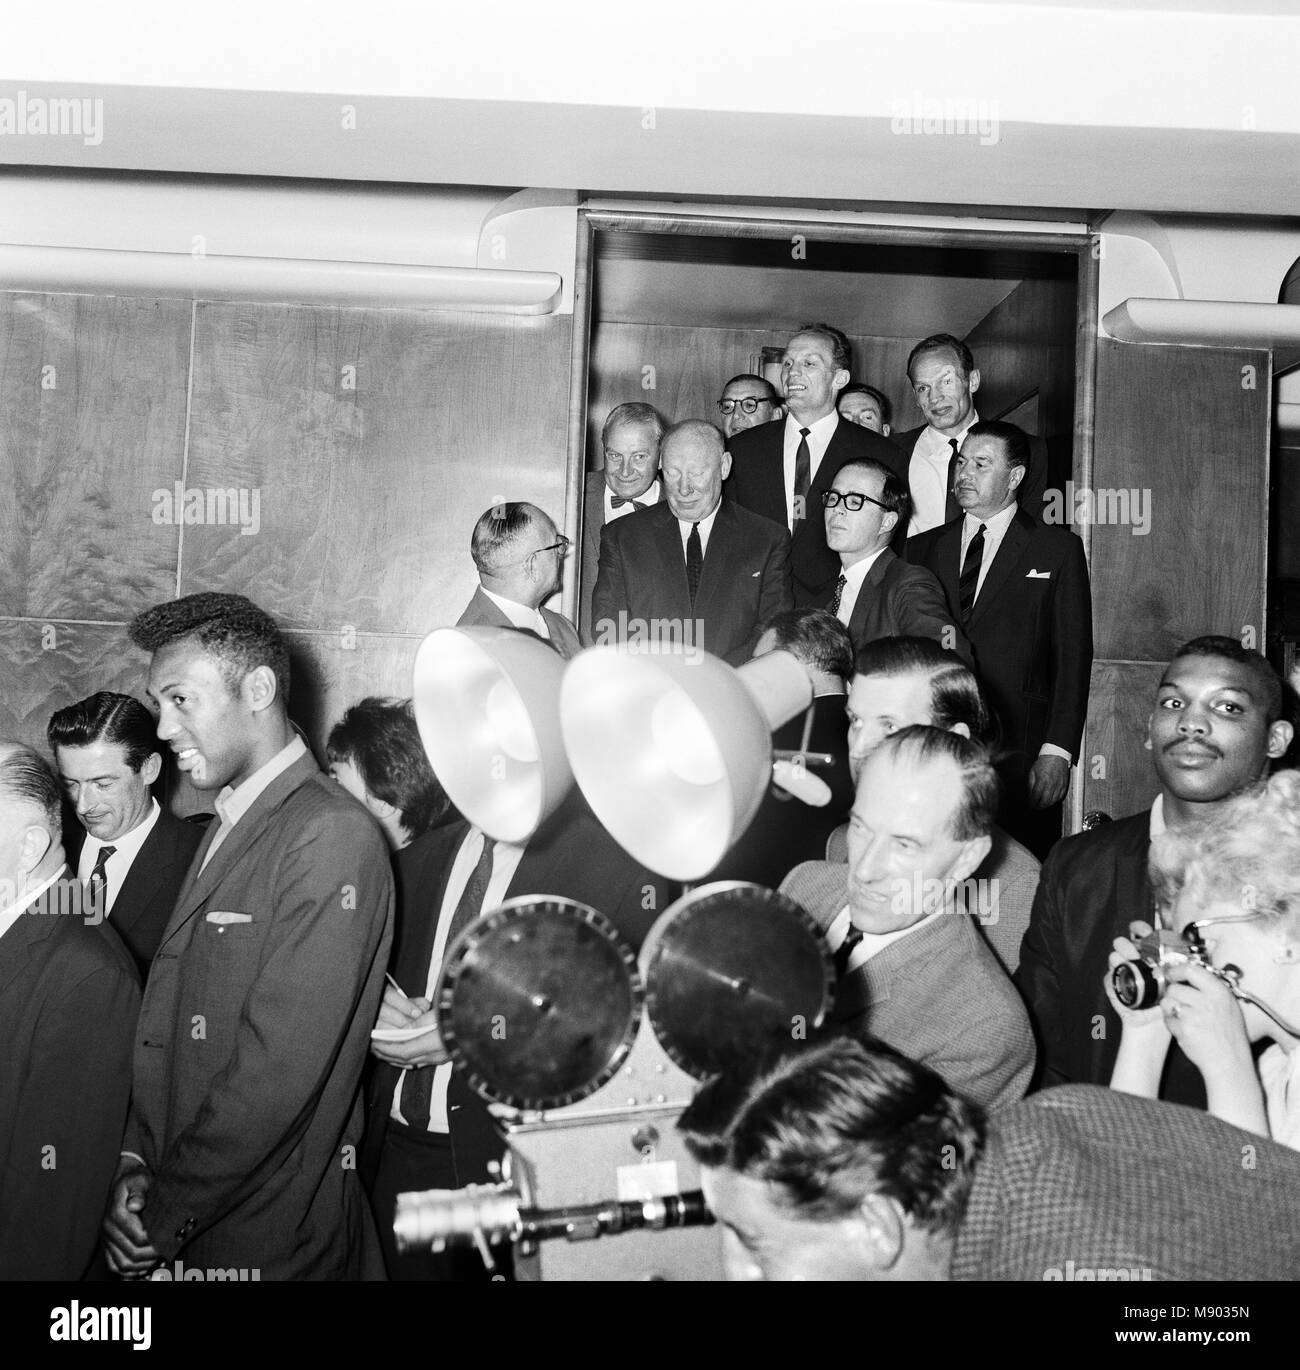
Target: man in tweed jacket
[(919, 975), (846, 1161)]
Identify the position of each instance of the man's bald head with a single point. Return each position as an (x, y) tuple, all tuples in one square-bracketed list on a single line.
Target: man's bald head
[(695, 462)]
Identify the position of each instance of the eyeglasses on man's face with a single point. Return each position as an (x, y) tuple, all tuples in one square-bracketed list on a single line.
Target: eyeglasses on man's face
[(562, 546), (851, 500), (749, 405)]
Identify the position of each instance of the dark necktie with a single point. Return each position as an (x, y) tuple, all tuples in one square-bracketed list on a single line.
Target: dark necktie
[(838, 595), (802, 475), (844, 951), (970, 575), (417, 1086), (618, 501), (97, 884), (951, 508), (694, 561)]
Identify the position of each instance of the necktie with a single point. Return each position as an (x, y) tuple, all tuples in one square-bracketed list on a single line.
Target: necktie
[(618, 501), (951, 508), (417, 1085), (97, 884), (970, 575), (694, 561), (844, 951), (838, 595), (802, 476)]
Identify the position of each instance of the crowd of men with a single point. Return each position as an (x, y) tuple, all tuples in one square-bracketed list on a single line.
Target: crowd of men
[(231, 1058)]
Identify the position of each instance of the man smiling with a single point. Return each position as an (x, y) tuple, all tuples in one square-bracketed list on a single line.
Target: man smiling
[(1215, 725), (256, 1020), (783, 468)]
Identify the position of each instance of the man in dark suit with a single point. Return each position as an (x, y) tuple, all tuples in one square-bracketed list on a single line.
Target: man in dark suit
[(782, 469), (520, 560), (1020, 590), (68, 1004), (696, 569), (628, 481), (878, 594), (944, 379), (913, 968), (128, 851), (848, 1161), (427, 1129), (246, 1112), (785, 831), (1215, 725)]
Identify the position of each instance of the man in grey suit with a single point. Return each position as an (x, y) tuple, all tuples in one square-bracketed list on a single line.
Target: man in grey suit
[(878, 594), (913, 968), (899, 681), (245, 1115), (846, 1161), (629, 481), (520, 560)]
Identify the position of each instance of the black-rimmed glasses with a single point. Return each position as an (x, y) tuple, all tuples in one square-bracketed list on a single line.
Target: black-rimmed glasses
[(749, 405), (851, 500)]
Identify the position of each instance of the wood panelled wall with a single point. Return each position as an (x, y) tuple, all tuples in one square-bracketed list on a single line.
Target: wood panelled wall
[(691, 365), (1187, 427), (371, 441)]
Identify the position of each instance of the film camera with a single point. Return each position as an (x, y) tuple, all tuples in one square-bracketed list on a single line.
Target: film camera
[(1143, 983), (589, 1055)]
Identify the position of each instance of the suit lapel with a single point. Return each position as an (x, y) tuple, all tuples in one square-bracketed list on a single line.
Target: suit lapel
[(869, 593), (719, 558), (486, 614), (1014, 542), (199, 884), (142, 879), (672, 559), (947, 559)]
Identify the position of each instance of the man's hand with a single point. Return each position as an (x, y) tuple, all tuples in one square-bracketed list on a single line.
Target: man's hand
[(399, 1011), (126, 1243), (1049, 778)]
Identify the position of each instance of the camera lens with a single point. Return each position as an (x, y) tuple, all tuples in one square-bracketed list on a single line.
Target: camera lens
[(1135, 986)]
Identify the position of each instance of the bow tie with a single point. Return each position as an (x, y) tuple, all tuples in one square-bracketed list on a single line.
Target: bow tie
[(618, 501)]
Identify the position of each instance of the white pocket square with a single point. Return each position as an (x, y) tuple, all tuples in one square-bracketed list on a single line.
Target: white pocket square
[(1039, 575), (754, 575), (216, 916)]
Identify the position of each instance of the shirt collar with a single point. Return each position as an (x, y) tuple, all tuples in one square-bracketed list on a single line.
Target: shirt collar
[(1157, 825), (821, 430), (854, 575), (233, 804), (995, 526), (705, 525), (13, 912), (518, 614), (127, 847), (935, 444)]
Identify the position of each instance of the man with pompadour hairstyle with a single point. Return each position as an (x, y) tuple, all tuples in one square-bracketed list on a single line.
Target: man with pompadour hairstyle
[(246, 1113), (125, 848)]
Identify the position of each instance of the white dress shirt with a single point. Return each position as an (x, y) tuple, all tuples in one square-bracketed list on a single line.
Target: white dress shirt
[(125, 849), (819, 437), (927, 476), (232, 804), (705, 526), (873, 943), (11, 913), (519, 614), (853, 577), (505, 861), (649, 497)]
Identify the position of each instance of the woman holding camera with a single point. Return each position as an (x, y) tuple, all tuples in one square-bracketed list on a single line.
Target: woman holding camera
[(1238, 880)]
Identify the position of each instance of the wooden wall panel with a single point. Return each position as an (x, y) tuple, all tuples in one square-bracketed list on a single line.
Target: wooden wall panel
[(1178, 424), (93, 394), (1118, 775), (691, 365), (368, 495)]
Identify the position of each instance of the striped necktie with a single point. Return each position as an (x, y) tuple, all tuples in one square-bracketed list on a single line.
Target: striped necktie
[(970, 575)]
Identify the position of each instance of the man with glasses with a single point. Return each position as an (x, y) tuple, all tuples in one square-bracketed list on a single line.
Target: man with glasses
[(878, 594), (627, 483), (746, 402), (520, 560)]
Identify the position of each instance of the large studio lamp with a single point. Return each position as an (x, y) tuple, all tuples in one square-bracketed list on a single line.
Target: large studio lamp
[(487, 707), (673, 748)]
